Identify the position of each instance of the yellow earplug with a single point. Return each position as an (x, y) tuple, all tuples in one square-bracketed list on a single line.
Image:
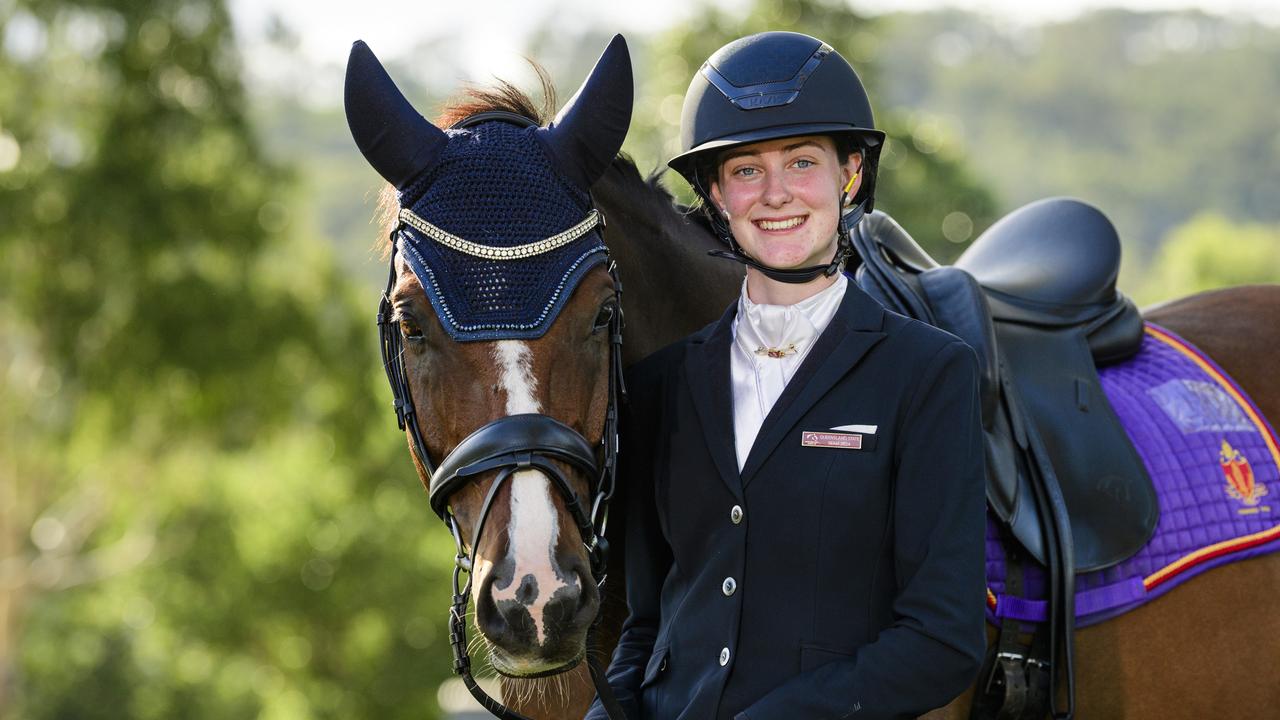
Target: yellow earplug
[(850, 185)]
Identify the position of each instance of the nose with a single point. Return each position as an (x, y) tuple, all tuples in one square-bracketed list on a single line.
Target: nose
[(776, 192), (533, 623), (534, 604)]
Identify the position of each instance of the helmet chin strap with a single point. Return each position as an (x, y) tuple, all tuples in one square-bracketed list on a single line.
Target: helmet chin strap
[(844, 249)]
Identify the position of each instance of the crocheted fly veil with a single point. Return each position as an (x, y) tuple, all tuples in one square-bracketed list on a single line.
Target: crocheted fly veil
[(496, 220)]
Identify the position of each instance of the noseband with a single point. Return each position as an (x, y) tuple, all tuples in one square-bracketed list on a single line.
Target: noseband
[(506, 446)]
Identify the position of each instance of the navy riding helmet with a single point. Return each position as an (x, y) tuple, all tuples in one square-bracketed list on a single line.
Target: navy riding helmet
[(774, 85)]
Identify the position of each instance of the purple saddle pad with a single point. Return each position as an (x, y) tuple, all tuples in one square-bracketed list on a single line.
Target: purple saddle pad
[(1215, 463)]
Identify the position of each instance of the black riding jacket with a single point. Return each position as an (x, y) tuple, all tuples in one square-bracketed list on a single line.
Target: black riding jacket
[(821, 581)]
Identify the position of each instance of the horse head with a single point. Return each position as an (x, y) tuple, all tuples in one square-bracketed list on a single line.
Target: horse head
[(500, 327)]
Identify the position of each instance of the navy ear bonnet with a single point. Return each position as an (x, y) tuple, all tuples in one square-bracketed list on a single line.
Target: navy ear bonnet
[(494, 186), (496, 219)]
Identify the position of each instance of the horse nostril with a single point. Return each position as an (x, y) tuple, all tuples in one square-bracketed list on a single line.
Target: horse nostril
[(527, 593), (490, 617), (588, 597)]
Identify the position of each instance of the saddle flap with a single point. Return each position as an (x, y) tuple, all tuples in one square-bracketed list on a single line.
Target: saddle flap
[(960, 308), (1108, 493)]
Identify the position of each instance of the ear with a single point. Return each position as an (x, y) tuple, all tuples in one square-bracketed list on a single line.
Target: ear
[(852, 167), (715, 197), (855, 161), (587, 134), (397, 141)]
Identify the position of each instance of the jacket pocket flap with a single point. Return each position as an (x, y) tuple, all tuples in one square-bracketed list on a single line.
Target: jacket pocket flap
[(814, 656), (656, 666)]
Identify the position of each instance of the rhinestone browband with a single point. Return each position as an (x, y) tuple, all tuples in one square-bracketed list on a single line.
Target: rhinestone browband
[(515, 252)]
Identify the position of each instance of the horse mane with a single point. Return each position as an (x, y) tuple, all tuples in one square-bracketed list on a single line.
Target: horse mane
[(474, 99), (647, 200)]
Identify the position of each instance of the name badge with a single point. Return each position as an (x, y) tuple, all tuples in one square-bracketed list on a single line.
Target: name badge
[(844, 441)]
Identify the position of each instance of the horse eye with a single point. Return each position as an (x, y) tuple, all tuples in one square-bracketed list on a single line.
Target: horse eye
[(603, 318), (409, 330)]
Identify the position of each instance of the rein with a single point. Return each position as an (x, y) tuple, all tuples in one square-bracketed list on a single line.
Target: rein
[(507, 445)]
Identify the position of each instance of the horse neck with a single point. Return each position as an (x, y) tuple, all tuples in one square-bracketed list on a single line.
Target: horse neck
[(671, 288)]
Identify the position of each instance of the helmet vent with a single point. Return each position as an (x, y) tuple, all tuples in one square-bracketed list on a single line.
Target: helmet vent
[(766, 94)]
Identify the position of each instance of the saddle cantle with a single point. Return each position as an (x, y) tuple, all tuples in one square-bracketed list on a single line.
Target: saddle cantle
[(1035, 296)]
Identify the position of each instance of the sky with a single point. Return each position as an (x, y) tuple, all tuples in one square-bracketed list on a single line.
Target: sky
[(490, 33)]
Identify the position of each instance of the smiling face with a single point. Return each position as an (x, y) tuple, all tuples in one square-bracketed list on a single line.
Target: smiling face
[(782, 198)]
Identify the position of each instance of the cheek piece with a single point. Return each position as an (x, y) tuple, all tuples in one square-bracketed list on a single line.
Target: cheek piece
[(844, 247)]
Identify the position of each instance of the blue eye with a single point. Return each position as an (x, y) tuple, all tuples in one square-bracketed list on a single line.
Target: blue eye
[(745, 171), (803, 163)]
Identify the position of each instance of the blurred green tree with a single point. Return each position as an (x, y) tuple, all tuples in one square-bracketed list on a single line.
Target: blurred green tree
[(204, 512), (1210, 251), (1152, 116)]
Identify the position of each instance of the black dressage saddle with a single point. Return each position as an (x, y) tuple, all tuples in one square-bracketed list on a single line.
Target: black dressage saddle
[(1036, 298)]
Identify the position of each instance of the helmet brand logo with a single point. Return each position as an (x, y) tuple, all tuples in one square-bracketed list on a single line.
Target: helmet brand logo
[(763, 100)]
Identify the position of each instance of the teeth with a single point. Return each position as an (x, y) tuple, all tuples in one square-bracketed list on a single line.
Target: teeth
[(780, 224)]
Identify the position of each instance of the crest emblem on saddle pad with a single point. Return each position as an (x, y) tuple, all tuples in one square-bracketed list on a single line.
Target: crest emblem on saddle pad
[(1241, 484)]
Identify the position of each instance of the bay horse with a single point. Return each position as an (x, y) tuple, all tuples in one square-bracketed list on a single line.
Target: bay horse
[(1208, 649), (501, 338)]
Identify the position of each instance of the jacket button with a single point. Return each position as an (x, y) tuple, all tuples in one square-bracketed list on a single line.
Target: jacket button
[(736, 514), (729, 586), (724, 657)]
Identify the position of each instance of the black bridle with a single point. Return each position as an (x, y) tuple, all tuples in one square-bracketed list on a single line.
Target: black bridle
[(507, 445)]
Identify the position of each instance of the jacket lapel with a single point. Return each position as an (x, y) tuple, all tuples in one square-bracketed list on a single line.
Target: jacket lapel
[(854, 330), (707, 373)]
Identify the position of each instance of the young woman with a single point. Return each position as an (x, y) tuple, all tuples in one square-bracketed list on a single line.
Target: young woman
[(805, 476)]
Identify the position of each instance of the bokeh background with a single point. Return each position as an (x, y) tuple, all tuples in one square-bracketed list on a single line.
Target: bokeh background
[(205, 509)]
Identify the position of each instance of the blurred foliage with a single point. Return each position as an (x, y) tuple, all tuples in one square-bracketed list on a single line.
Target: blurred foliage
[(1154, 117), (205, 511), (1210, 251)]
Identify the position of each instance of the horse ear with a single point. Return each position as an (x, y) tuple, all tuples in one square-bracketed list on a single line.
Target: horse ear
[(587, 134), (397, 141)]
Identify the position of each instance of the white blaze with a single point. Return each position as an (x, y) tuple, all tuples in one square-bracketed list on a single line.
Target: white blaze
[(515, 370), (534, 529)]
